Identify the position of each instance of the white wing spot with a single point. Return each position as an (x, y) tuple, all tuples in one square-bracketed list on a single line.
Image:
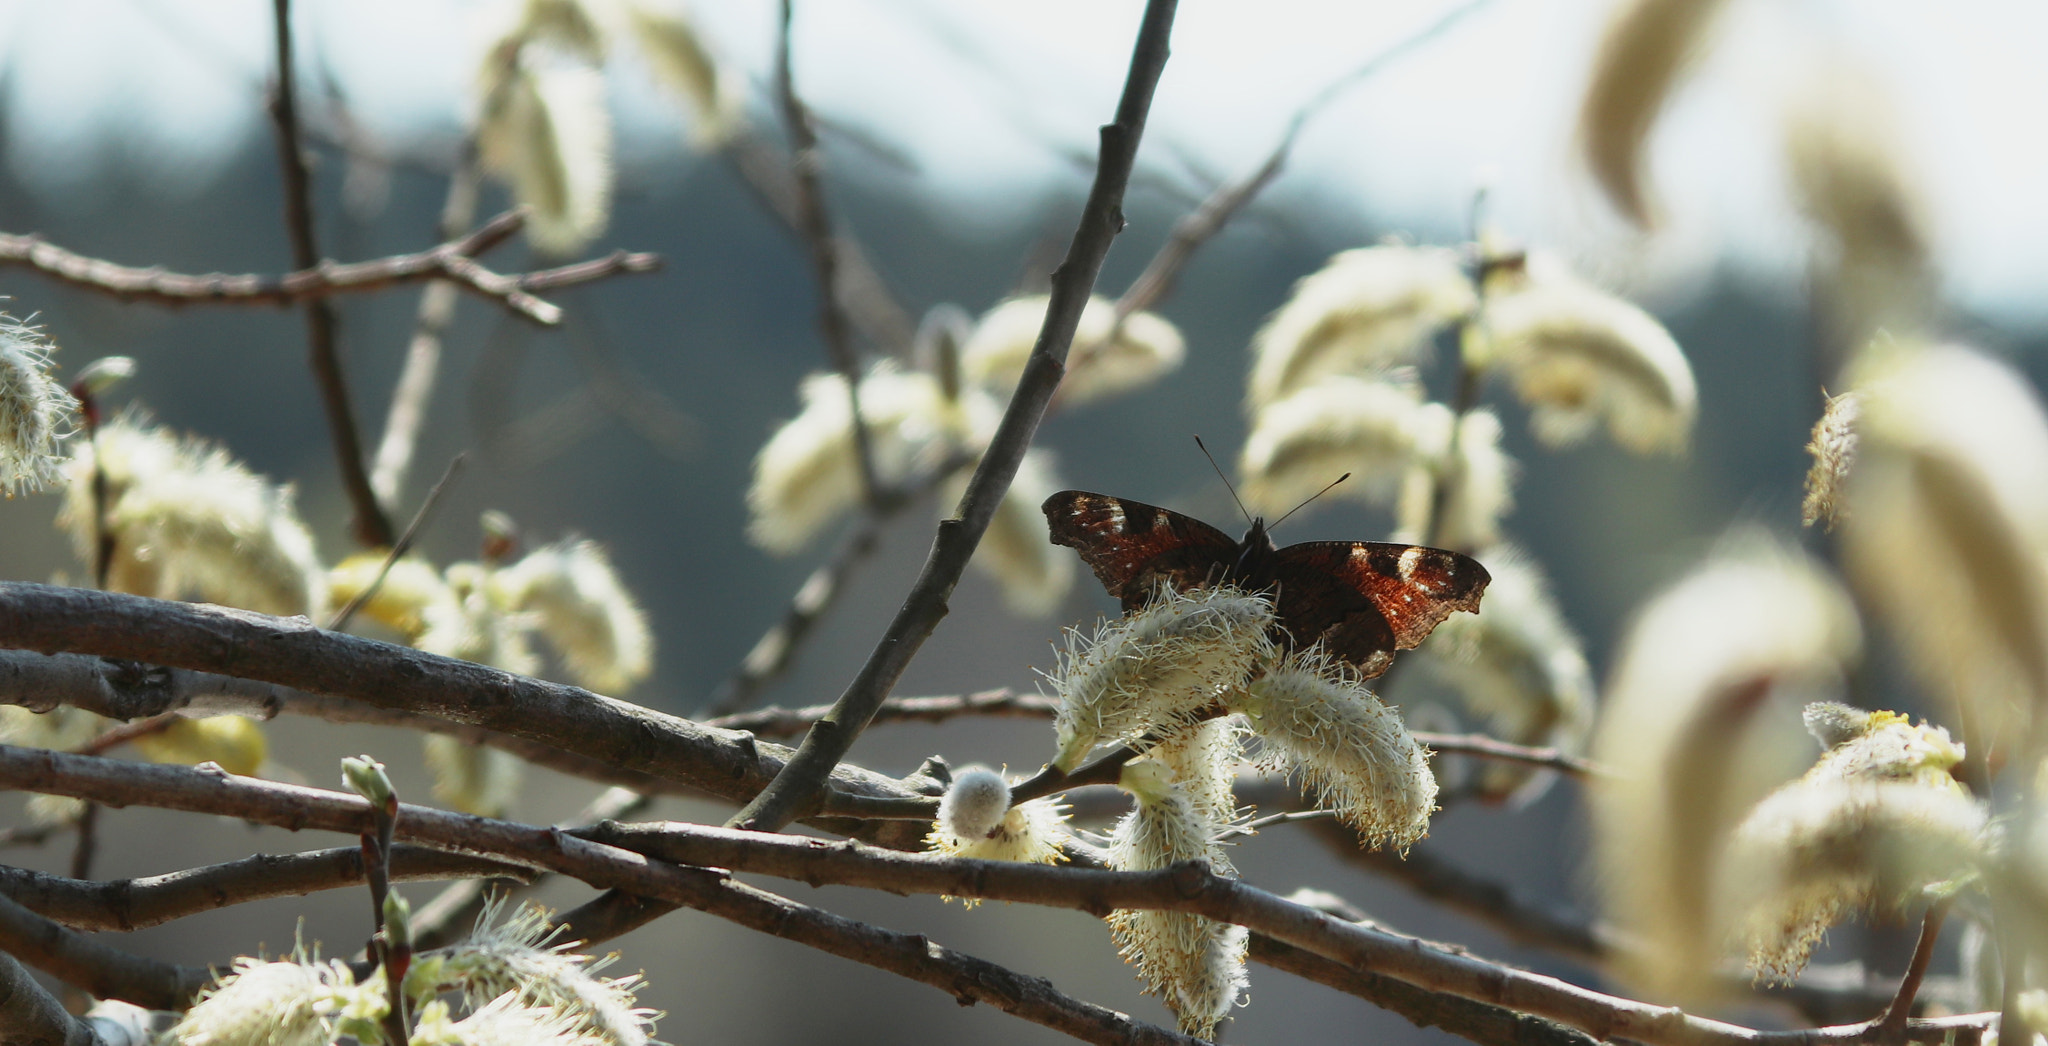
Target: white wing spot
[(1409, 559)]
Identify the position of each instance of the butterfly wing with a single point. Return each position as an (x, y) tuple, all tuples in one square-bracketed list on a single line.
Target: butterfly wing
[(1132, 546), (1366, 599)]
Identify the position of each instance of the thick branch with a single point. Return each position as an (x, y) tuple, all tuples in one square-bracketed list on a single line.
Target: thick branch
[(1183, 887), (28, 1014), (108, 973), (291, 652), (1101, 219), (453, 261), (134, 904)]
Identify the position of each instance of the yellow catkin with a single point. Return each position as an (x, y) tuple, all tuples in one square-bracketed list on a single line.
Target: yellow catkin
[(1700, 723), (1833, 449), (1377, 429), (1195, 965), (1947, 525), (1820, 850), (1365, 311), (1314, 717), (1146, 348), (1648, 46), (1159, 667), (1580, 357), (573, 595), (514, 955), (34, 411), (234, 743), (190, 522)]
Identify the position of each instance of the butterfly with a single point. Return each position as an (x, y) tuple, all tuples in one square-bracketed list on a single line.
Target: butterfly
[(1362, 600)]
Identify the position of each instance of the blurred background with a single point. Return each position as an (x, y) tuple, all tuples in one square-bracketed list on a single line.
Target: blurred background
[(958, 140)]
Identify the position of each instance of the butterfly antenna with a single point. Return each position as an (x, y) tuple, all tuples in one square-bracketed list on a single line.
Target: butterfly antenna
[(1225, 479), (1312, 499)]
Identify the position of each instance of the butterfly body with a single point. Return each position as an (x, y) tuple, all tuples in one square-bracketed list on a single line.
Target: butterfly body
[(1362, 600)]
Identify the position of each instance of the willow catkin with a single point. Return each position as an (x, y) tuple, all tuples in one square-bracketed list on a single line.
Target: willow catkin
[(1376, 429), (1145, 348), (1366, 310), (580, 606), (1158, 667), (1648, 47), (1700, 723), (34, 410), (1315, 718)]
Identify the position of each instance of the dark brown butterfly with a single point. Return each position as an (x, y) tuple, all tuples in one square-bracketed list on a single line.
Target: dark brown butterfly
[(1362, 600)]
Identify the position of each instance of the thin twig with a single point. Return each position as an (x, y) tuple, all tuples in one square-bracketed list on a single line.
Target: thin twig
[(372, 527), (398, 548), (814, 224), (1493, 748), (1002, 701), (1891, 1024), (452, 261), (926, 604)]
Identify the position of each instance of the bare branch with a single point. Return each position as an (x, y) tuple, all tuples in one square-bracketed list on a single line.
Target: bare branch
[(926, 604), (646, 871), (917, 957), (398, 548), (108, 973), (814, 224), (372, 527), (1493, 748), (452, 261), (625, 743), (134, 904), (783, 722), (31, 1015)]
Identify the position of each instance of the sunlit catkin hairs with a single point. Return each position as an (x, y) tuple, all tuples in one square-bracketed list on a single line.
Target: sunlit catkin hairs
[(284, 1003), (1366, 310), (807, 476), (1879, 746), (583, 610), (189, 521), (1146, 348), (1159, 667), (1816, 852), (1702, 720), (1519, 666), (514, 955), (1580, 357), (1314, 717), (34, 410), (1946, 531), (1833, 449), (977, 820), (1376, 429), (1194, 964), (543, 123)]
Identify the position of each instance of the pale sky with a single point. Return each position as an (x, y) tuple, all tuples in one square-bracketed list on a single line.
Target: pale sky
[(986, 96)]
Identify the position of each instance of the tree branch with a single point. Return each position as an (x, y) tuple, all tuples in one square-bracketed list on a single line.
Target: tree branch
[(139, 903), (28, 1014), (372, 527), (926, 605), (648, 872), (627, 739), (453, 261), (1002, 701), (108, 973), (814, 224)]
